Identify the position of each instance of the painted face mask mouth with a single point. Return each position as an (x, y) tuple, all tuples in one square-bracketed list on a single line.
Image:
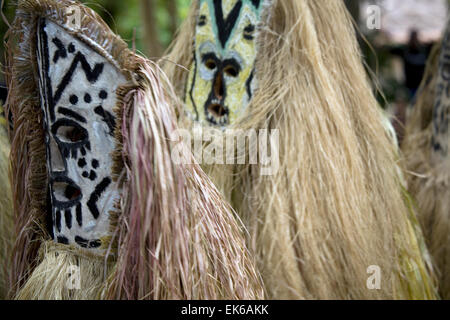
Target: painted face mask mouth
[(217, 110), (217, 114)]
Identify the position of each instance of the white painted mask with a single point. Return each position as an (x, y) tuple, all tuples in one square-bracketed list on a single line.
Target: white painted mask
[(78, 93), (441, 110)]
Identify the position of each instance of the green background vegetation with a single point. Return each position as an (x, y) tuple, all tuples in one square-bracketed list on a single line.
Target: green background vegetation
[(126, 18), (149, 26)]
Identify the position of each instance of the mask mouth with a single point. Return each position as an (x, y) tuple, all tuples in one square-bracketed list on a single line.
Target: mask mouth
[(217, 110), (217, 113)]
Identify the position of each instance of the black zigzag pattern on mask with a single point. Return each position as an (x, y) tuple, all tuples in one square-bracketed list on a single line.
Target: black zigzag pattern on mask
[(226, 25), (92, 74)]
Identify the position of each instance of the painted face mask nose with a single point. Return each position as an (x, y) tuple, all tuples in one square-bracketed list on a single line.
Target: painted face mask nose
[(56, 159), (219, 86), (216, 108)]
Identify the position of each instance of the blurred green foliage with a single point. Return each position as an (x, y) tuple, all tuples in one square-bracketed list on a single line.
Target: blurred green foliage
[(124, 18)]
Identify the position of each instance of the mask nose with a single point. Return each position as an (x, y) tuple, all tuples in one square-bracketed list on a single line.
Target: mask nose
[(57, 162), (217, 109), (219, 86)]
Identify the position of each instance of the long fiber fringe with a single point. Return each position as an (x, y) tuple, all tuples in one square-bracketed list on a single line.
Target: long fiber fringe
[(428, 184), (178, 239), (336, 206), (6, 220), (65, 273)]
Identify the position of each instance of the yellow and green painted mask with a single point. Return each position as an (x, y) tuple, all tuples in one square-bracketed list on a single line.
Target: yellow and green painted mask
[(221, 81)]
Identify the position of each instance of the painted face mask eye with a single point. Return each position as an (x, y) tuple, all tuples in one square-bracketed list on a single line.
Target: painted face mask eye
[(221, 82), (71, 137), (232, 70), (211, 64), (70, 133), (65, 192)]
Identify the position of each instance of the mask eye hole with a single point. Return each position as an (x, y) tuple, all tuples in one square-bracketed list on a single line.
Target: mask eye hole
[(74, 134), (70, 133), (211, 64), (231, 71), (71, 192), (66, 192)]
